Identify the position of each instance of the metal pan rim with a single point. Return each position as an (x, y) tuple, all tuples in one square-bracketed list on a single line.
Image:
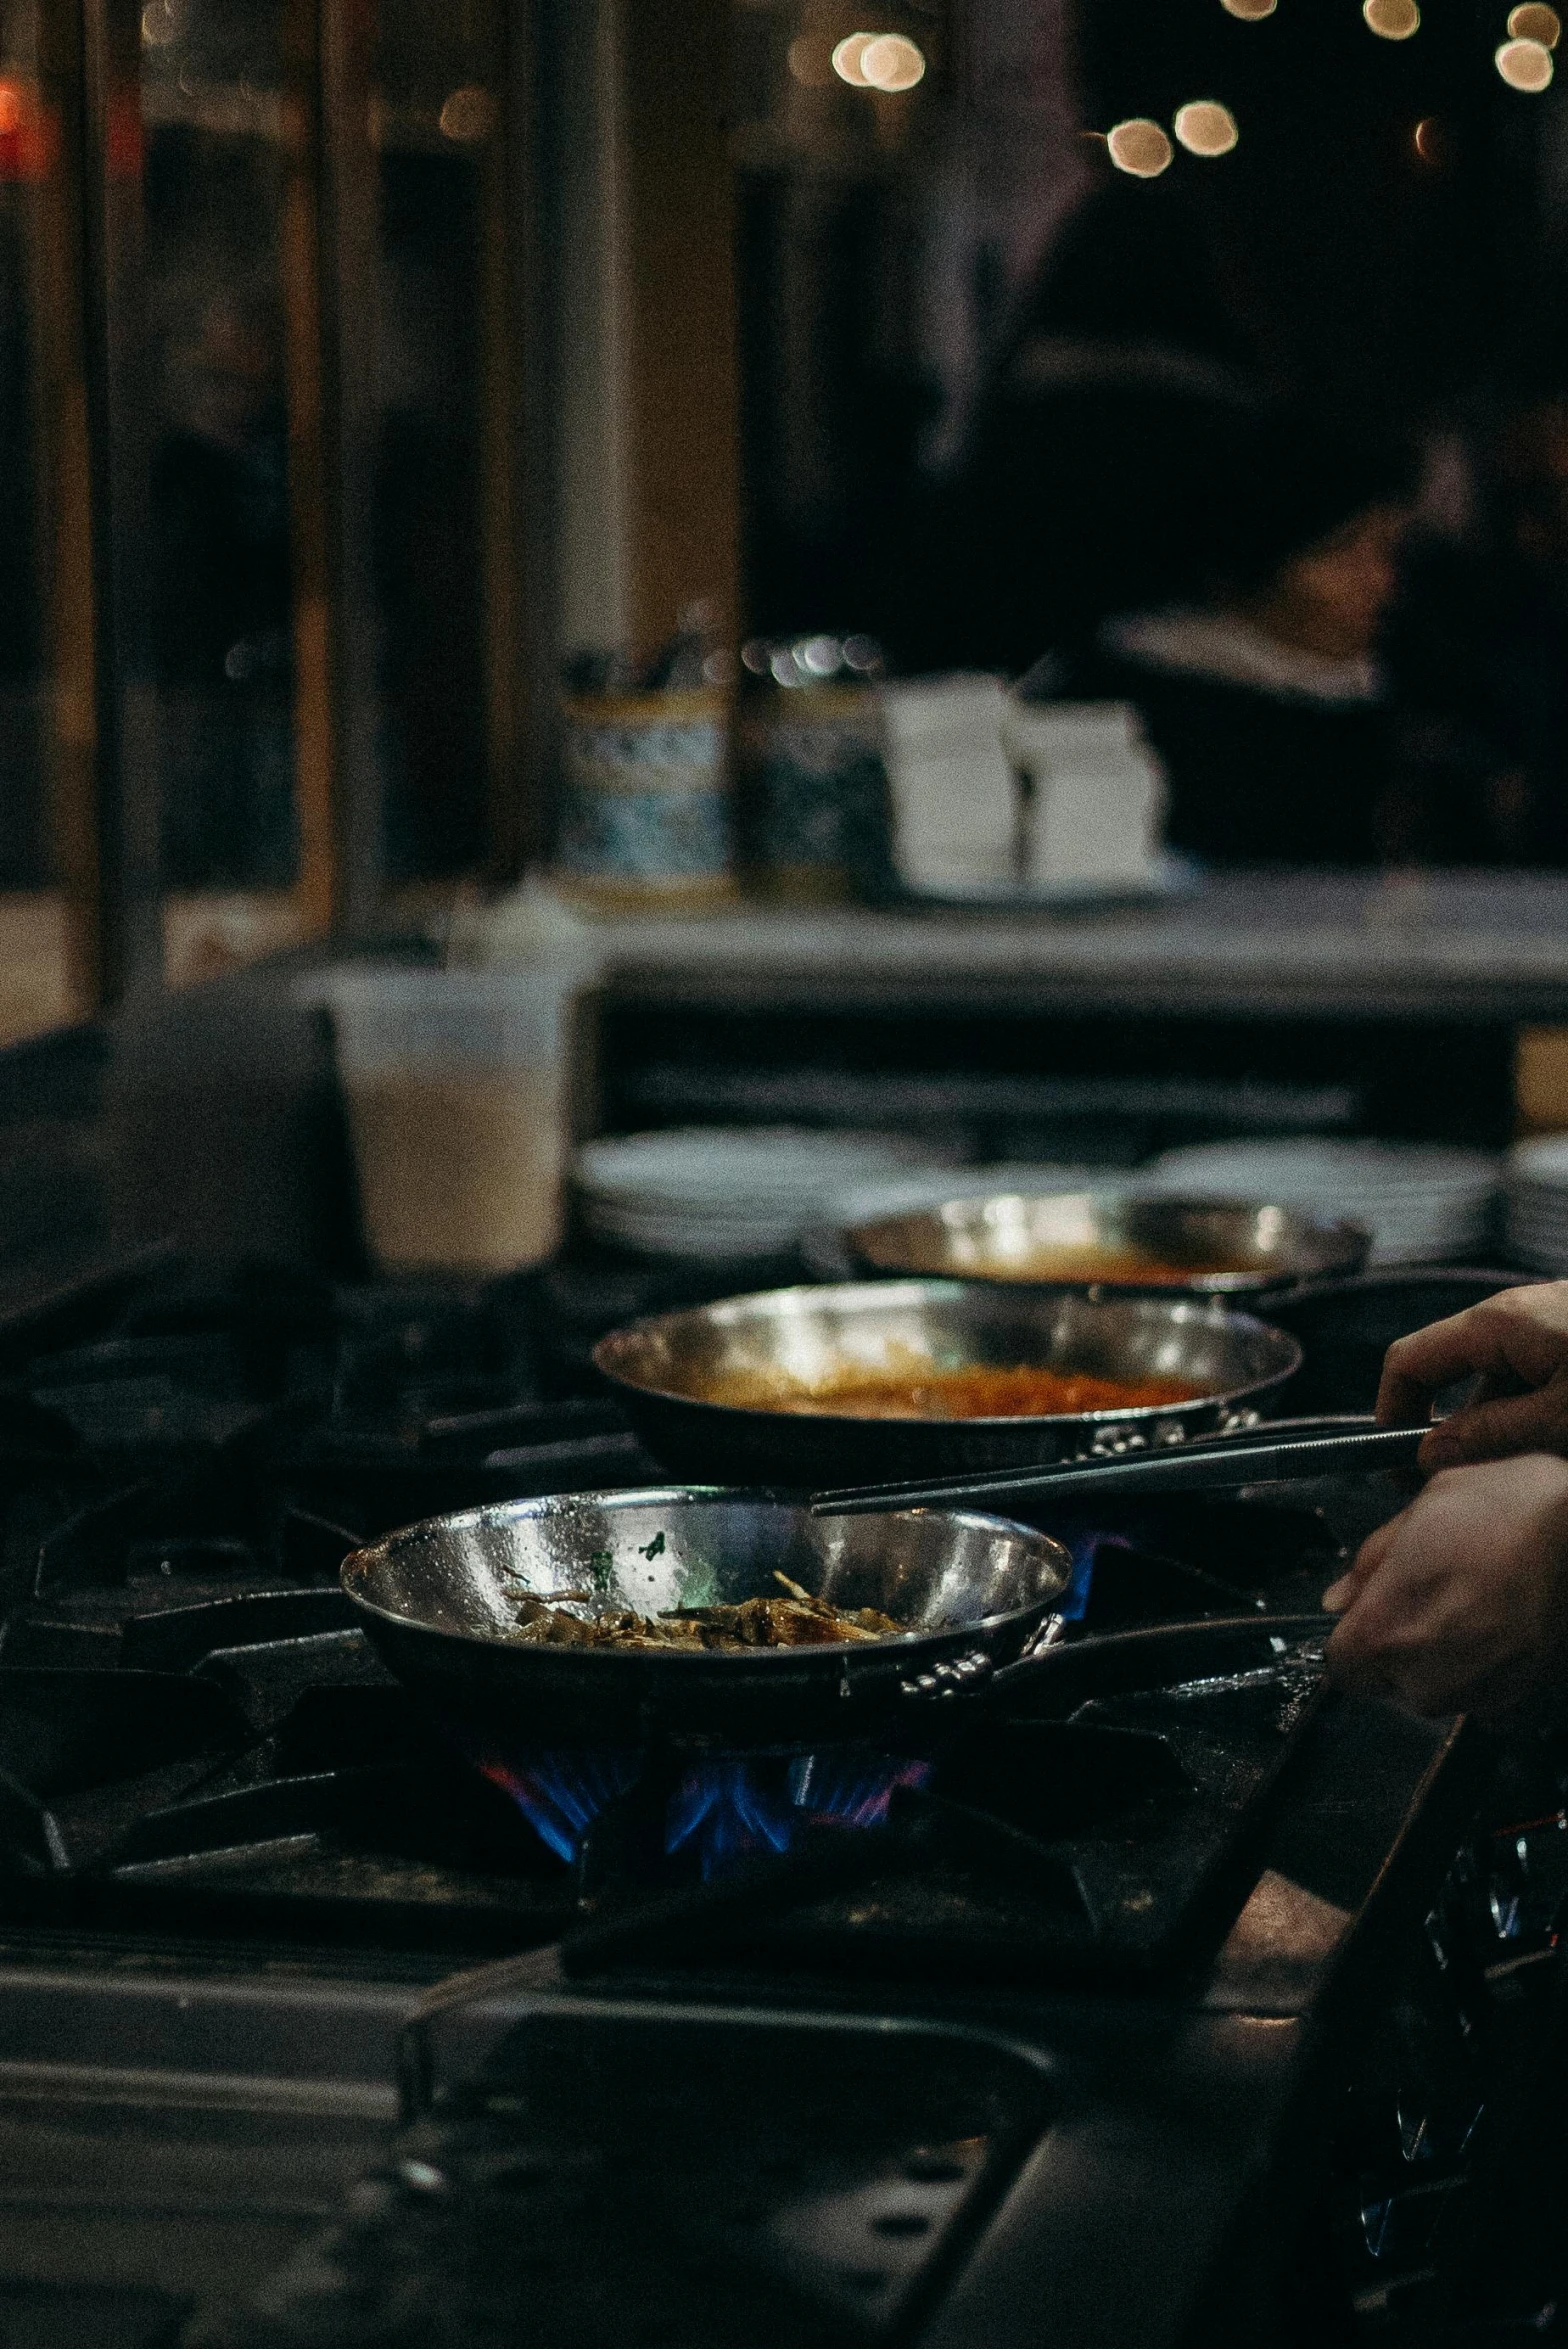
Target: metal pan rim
[(902, 1644), (1180, 1304), (1295, 1266)]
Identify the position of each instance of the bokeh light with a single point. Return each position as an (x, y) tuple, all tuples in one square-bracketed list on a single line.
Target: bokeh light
[(468, 115), (1428, 140), (810, 59), (1392, 20), (1250, 11), (1525, 65), (1535, 22), (892, 63), (1140, 147), (1206, 128), (847, 56)]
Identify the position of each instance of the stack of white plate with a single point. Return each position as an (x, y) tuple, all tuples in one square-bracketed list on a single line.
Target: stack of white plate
[(721, 1191), (933, 1186), (1422, 1202), (1535, 1204)]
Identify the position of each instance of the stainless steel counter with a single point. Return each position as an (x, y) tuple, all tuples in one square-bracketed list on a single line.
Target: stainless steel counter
[(1438, 945)]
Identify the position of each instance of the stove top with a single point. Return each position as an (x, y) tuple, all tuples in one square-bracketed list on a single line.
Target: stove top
[(195, 1738), (832, 2045)]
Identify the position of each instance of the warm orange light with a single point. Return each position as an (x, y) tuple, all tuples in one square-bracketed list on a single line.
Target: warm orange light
[(1427, 139), (892, 62), (29, 133), (468, 115), (847, 56), (1140, 147), (1206, 128), (1250, 11), (811, 60), (1534, 22), (1392, 20), (1525, 65)]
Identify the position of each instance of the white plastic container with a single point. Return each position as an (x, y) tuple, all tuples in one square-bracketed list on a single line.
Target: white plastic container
[(1098, 792), (457, 1087), (952, 793)]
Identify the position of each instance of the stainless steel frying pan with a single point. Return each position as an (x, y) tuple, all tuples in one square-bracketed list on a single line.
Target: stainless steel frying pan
[(439, 1601), (1044, 1239), (678, 1376)]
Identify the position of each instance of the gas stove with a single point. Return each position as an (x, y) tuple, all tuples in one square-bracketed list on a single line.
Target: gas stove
[(1109, 2008)]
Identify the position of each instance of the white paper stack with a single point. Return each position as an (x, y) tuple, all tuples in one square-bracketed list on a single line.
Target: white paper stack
[(719, 1191), (951, 783), (1098, 793), (1535, 1204), (1422, 1202)]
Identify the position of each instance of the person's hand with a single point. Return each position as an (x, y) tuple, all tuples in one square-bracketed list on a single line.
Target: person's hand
[(1460, 1603), (1516, 1343)]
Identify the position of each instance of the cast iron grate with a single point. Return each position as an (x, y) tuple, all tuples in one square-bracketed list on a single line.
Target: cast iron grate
[(1109, 1842)]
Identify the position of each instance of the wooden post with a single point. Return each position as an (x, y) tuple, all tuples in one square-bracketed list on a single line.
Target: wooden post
[(319, 884), (684, 441), (102, 156), (63, 493), (349, 267), (503, 324)]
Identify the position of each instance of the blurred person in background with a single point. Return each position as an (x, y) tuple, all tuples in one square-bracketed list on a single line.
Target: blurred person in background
[(1479, 645), (1086, 484), (1266, 700)]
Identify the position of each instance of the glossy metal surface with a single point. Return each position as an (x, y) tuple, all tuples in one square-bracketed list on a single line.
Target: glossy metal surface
[(677, 1376), (1013, 1236), (439, 1601), (1287, 1448)]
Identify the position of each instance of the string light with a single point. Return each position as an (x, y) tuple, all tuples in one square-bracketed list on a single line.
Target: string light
[(1525, 65), (1206, 128), (892, 62), (1535, 22), (847, 57), (1140, 147), (1250, 11), (1392, 20)]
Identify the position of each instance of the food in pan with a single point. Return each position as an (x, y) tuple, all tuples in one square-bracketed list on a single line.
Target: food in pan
[(1128, 1264), (797, 1620), (982, 1391)]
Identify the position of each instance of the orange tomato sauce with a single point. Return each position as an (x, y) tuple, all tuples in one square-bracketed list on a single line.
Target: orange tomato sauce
[(985, 1393), (1128, 1265)]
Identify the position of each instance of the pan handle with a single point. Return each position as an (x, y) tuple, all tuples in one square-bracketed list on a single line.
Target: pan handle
[(957, 1676), (953, 1676)]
